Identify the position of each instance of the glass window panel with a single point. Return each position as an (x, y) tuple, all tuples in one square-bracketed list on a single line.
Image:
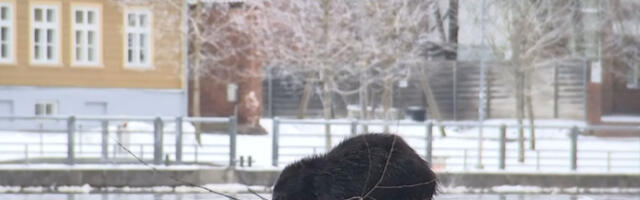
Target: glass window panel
[(90, 37), (78, 37), (49, 109), (38, 109), (78, 53), (51, 15), (4, 34), (130, 56), (143, 20), (36, 51), (90, 52), (50, 36), (143, 40), (36, 35), (38, 14), (49, 52), (143, 56), (132, 20), (3, 50), (4, 13), (79, 17), (90, 17), (130, 40), (143, 47)]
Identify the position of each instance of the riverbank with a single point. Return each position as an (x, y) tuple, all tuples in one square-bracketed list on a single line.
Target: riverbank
[(117, 178)]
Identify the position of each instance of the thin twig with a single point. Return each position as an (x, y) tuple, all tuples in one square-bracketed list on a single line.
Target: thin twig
[(377, 186), (386, 165), (255, 193), (366, 182), (407, 186)]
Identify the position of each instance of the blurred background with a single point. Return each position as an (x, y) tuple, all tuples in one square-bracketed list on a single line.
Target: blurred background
[(172, 99)]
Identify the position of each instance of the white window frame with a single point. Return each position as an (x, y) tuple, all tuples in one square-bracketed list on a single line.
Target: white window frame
[(44, 26), (81, 58), (133, 45), (42, 105), (8, 24)]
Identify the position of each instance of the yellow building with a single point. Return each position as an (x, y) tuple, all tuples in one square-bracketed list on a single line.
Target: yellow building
[(92, 57)]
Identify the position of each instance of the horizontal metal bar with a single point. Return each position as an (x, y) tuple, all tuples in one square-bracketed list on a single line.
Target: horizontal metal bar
[(314, 122), (17, 117), (301, 147), (456, 124), (312, 135), (85, 118)]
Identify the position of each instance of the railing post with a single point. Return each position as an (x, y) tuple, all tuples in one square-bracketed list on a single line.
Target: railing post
[(195, 153), (574, 148), (275, 142), (142, 152), (556, 92), (608, 161), (270, 94), (354, 127), (233, 132), (158, 141), (105, 140), (178, 140), (114, 154), (503, 146), (538, 160), (26, 153), (464, 163), (71, 131), (428, 154)]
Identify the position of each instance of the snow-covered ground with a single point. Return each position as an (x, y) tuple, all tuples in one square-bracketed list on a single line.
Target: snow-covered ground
[(621, 118), (243, 190), (456, 152)]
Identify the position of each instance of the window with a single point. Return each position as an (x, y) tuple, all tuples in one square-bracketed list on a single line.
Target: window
[(45, 34), (6, 32), (86, 36), (138, 38), (46, 108)]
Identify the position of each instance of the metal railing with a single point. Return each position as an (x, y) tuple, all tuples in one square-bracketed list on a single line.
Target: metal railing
[(164, 140), (558, 147), (65, 137)]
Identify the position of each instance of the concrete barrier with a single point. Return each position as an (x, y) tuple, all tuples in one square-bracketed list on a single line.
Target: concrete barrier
[(201, 176)]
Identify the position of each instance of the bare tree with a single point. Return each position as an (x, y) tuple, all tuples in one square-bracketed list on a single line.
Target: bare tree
[(535, 36), (621, 39)]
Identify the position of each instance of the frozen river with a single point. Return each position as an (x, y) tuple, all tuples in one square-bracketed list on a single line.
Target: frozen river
[(130, 196)]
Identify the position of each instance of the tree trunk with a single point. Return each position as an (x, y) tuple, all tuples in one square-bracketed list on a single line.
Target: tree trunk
[(326, 78), (304, 101), (453, 30), (196, 75), (364, 102), (386, 102), (520, 114), (518, 75), (326, 106), (432, 105), (440, 24), (529, 102)]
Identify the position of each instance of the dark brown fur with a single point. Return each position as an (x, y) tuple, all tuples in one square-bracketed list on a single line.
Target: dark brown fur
[(352, 169)]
